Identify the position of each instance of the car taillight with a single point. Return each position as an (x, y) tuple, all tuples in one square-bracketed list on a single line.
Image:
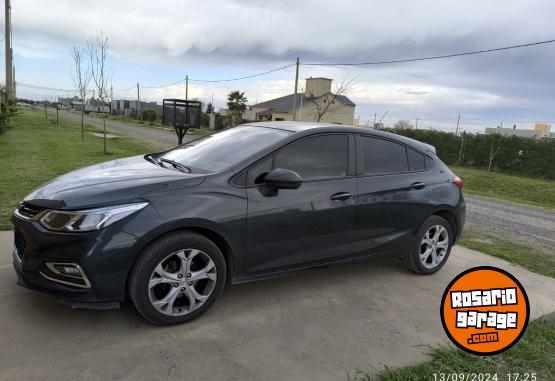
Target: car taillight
[(458, 182)]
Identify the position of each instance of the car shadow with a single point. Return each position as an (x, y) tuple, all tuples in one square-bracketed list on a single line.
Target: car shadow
[(236, 301)]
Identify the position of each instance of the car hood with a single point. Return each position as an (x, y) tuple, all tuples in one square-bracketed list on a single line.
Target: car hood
[(112, 182)]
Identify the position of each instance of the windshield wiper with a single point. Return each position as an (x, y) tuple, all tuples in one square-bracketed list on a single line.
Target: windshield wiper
[(154, 160), (176, 165)]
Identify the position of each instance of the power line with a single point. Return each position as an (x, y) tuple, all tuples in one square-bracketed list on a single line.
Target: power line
[(220, 80), (432, 57)]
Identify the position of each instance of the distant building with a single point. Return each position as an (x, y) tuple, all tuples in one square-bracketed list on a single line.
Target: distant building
[(318, 90), (129, 107), (541, 130)]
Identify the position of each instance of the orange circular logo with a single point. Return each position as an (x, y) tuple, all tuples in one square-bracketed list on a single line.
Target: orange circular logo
[(485, 310)]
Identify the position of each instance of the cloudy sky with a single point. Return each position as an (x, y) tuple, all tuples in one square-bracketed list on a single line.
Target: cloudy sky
[(159, 42)]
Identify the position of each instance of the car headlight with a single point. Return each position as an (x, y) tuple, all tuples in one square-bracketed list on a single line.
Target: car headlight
[(87, 220)]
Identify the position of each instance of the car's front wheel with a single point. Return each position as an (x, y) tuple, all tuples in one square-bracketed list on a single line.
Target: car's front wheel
[(432, 246), (177, 278)]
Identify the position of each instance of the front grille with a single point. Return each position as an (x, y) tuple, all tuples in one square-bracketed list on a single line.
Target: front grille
[(28, 210), (19, 241)]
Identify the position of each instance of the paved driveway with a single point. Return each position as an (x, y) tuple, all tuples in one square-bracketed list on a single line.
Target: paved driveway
[(317, 325)]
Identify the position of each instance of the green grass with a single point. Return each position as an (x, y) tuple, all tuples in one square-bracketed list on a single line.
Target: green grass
[(521, 190), (534, 353), (534, 259), (35, 150)]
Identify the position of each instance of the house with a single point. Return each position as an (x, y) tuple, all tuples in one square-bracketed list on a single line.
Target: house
[(317, 103), (541, 130)]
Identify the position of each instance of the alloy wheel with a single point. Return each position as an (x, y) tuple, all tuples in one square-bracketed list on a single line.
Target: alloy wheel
[(182, 282), (434, 246)]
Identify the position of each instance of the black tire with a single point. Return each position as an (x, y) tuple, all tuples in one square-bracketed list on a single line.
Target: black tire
[(412, 260), (153, 255)]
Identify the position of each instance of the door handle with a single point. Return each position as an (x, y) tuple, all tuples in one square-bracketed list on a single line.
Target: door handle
[(417, 185), (341, 196)]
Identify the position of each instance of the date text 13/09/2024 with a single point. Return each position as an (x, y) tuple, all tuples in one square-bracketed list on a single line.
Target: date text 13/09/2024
[(485, 377)]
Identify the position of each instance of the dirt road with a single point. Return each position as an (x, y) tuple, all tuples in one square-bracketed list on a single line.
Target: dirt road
[(521, 224)]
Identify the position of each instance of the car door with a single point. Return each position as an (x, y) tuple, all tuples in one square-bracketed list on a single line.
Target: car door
[(392, 198), (314, 223)]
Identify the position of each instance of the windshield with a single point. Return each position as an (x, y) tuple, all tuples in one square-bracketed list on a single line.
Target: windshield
[(224, 149)]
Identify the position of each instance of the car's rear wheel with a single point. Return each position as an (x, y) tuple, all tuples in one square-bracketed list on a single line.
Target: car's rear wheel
[(432, 246), (177, 278)]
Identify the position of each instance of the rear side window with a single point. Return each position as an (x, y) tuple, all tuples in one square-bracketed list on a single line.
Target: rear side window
[(317, 158), (383, 156), (417, 161)]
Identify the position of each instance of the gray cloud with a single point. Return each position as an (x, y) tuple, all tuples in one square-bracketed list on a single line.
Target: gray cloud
[(253, 34)]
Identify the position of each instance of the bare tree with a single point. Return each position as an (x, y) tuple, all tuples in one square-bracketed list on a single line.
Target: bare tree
[(494, 150), (325, 103), (402, 124), (81, 77), (98, 51)]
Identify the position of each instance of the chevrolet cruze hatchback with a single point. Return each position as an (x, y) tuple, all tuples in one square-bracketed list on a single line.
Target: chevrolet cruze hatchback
[(169, 229)]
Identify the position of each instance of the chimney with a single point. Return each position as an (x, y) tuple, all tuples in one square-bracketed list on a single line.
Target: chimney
[(316, 87)]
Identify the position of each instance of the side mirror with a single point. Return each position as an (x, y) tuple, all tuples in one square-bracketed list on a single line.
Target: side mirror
[(282, 179)]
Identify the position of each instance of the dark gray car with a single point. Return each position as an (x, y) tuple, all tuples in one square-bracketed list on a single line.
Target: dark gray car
[(169, 229)]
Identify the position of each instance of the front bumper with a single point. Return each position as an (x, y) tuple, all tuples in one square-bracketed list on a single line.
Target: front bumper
[(103, 256)]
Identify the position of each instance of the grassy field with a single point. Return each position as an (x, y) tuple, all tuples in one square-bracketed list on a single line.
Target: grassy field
[(534, 353), (521, 190), (36, 150)]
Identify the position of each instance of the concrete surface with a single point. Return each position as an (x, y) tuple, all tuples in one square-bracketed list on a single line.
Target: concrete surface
[(320, 325)]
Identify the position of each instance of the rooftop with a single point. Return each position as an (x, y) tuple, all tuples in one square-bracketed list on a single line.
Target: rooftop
[(285, 103)]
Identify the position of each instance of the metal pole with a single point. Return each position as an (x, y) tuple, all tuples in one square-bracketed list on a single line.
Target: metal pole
[(374, 125), (416, 125), (138, 102), (9, 52), (296, 86), (457, 129), (301, 109), (187, 87)]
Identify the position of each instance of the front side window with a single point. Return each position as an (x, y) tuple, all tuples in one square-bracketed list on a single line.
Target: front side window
[(383, 156), (224, 149), (317, 158)]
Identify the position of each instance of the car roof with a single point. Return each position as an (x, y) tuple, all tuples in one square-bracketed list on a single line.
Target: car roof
[(308, 128)]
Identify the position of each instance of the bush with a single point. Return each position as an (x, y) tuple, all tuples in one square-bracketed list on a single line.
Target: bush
[(148, 115), (517, 155)]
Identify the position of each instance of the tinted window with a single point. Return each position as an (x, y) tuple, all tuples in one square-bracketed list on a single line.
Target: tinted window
[(224, 149), (317, 158), (383, 156), (417, 161), (259, 169)]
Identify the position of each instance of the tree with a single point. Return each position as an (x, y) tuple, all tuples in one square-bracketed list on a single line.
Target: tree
[(494, 150), (402, 124), (209, 108), (81, 77), (323, 104), (97, 53), (237, 104)]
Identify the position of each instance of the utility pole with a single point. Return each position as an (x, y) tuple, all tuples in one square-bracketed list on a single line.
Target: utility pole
[(296, 87), (10, 93), (457, 129), (374, 125), (111, 98), (138, 102), (416, 125), (187, 87)]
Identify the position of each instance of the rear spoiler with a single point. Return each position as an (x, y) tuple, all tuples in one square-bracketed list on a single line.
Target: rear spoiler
[(431, 148)]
